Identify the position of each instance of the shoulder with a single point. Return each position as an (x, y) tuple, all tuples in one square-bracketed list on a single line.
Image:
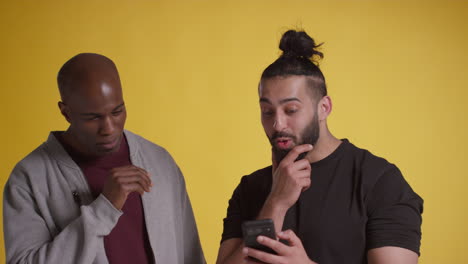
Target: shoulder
[(258, 177), (258, 183), (366, 159), (368, 164), (383, 181), (30, 165), (372, 171)]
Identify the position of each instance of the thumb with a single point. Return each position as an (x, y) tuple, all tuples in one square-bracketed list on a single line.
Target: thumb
[(273, 162)]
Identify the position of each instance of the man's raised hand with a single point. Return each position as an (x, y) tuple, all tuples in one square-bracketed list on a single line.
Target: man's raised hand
[(290, 177), (124, 180)]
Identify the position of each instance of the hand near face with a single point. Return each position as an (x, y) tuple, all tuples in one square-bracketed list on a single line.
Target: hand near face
[(292, 253), (290, 177), (124, 180)]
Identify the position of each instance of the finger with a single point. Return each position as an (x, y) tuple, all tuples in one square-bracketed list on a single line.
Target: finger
[(304, 183), (145, 172), (273, 161), (145, 183), (134, 178), (295, 152), (146, 176), (302, 175), (131, 172), (274, 244), (302, 164), (137, 170), (141, 169), (260, 255), (290, 237), (123, 180), (129, 169), (134, 187)]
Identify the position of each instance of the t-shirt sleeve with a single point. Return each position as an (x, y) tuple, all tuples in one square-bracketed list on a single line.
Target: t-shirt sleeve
[(394, 213), (233, 221)]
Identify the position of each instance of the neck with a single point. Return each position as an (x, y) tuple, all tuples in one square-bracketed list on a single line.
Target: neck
[(326, 144), (71, 141)]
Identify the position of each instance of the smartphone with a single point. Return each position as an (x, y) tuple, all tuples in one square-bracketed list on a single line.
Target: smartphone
[(252, 229)]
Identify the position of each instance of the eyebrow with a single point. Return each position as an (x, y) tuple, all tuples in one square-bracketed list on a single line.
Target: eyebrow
[(283, 101), (119, 106), (96, 114)]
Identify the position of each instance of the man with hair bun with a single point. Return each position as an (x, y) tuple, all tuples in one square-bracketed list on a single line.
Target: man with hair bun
[(330, 201), (97, 193)]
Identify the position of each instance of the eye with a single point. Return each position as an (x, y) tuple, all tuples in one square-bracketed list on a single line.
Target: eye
[(290, 111), (116, 113), (92, 118), (267, 112)]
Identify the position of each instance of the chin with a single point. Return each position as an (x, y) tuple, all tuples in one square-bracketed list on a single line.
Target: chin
[(109, 151)]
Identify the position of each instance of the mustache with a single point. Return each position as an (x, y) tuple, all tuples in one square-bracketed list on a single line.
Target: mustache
[(282, 134)]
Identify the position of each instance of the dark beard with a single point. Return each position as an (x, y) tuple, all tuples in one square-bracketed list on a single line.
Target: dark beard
[(310, 135)]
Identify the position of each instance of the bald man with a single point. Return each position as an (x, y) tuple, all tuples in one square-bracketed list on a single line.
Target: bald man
[(97, 193)]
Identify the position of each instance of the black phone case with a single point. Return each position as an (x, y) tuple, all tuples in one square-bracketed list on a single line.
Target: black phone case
[(252, 229)]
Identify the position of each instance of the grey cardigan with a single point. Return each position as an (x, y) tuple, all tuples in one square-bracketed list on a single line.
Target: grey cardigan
[(44, 222)]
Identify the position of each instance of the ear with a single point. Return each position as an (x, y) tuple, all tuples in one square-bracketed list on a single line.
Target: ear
[(64, 110), (324, 107)]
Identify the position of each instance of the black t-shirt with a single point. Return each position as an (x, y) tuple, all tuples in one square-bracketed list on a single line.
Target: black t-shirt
[(356, 202)]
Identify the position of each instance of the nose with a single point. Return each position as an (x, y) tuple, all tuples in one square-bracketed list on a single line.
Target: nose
[(279, 123), (107, 126)]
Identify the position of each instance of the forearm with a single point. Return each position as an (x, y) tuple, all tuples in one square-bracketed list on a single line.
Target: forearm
[(389, 255), (230, 252), (273, 210), (28, 238)]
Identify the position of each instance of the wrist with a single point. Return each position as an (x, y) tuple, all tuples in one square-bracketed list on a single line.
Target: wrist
[(272, 208), (277, 205)]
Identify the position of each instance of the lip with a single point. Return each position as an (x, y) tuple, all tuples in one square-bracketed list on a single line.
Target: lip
[(283, 142)]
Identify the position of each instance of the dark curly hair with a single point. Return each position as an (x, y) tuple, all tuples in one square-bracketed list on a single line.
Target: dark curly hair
[(300, 57)]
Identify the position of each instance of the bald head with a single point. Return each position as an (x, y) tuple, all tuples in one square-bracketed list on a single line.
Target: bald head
[(92, 103), (83, 72)]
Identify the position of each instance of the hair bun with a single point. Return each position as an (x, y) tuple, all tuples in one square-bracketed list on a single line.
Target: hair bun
[(299, 44)]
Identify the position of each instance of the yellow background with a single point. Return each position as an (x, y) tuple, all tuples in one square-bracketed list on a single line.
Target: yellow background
[(396, 71)]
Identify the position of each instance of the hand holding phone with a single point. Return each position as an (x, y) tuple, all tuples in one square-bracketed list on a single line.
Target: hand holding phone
[(252, 229)]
